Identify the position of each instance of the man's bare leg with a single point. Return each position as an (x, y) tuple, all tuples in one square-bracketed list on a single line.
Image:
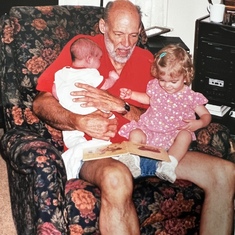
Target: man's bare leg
[(117, 214), (217, 178)]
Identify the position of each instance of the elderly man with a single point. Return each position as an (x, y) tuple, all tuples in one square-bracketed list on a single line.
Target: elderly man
[(120, 29)]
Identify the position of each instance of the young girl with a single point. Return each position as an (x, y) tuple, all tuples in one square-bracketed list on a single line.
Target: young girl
[(170, 120)]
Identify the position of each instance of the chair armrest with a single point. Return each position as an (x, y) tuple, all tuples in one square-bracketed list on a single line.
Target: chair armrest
[(23, 148), (213, 140)]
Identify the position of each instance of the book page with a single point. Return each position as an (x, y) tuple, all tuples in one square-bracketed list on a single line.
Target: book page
[(147, 151), (114, 150), (110, 150)]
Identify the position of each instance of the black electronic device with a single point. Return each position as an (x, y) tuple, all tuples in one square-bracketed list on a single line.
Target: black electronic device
[(214, 59), (214, 62), (156, 43)]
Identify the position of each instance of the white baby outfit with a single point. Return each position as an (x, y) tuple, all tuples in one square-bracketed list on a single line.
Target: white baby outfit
[(75, 141)]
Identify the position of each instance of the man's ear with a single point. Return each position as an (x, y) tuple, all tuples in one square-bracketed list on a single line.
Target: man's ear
[(102, 25)]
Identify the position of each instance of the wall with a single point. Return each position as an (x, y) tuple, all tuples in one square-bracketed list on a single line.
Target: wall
[(181, 17), (148, 8), (181, 14)]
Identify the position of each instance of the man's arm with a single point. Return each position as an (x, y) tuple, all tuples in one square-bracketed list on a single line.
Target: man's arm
[(102, 100), (97, 124), (134, 113)]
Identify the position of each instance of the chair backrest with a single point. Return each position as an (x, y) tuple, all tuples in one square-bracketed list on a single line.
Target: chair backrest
[(31, 39)]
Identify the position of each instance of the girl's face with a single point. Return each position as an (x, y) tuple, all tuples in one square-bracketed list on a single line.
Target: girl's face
[(171, 84)]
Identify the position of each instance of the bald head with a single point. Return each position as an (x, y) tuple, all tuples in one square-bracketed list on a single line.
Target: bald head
[(122, 7), (121, 26)]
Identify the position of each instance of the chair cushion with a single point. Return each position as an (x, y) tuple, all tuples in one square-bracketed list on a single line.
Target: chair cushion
[(213, 140), (161, 206)]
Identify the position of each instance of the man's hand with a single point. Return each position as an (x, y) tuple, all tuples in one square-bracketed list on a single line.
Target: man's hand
[(93, 97), (98, 125)]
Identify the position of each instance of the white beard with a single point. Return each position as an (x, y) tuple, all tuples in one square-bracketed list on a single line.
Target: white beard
[(112, 52)]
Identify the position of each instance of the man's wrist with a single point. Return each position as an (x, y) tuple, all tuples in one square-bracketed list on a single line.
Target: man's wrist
[(126, 108)]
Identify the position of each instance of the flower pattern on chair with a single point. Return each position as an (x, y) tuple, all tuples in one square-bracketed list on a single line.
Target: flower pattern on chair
[(43, 201)]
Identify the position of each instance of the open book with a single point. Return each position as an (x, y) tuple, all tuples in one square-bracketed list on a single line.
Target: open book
[(114, 150)]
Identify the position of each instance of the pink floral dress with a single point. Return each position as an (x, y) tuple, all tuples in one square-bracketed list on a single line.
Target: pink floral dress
[(164, 118)]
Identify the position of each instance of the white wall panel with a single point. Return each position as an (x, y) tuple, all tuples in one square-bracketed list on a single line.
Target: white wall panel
[(179, 15), (154, 12)]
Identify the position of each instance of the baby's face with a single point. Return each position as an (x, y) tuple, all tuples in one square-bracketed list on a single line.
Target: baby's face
[(95, 60)]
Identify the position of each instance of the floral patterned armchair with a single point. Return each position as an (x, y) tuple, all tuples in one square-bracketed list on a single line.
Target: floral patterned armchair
[(43, 201)]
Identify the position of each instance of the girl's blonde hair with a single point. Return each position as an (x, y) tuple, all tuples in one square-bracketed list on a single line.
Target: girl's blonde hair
[(176, 60)]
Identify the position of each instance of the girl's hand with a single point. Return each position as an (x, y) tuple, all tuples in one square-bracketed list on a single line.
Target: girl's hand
[(125, 93), (192, 125)]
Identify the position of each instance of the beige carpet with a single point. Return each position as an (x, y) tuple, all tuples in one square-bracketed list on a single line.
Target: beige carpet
[(6, 222)]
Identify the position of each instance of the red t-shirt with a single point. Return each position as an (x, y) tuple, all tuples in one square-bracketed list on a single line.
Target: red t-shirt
[(135, 74)]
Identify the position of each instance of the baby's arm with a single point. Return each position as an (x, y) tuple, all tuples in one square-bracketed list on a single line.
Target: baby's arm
[(54, 91), (205, 119), (126, 93), (109, 82)]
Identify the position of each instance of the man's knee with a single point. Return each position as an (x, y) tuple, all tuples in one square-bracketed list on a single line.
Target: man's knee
[(116, 177), (222, 176), (226, 174)]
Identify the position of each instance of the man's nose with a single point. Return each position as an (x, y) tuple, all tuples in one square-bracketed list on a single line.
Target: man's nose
[(126, 41)]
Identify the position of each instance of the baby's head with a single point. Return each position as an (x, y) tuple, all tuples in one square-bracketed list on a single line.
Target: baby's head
[(85, 53), (174, 60)]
